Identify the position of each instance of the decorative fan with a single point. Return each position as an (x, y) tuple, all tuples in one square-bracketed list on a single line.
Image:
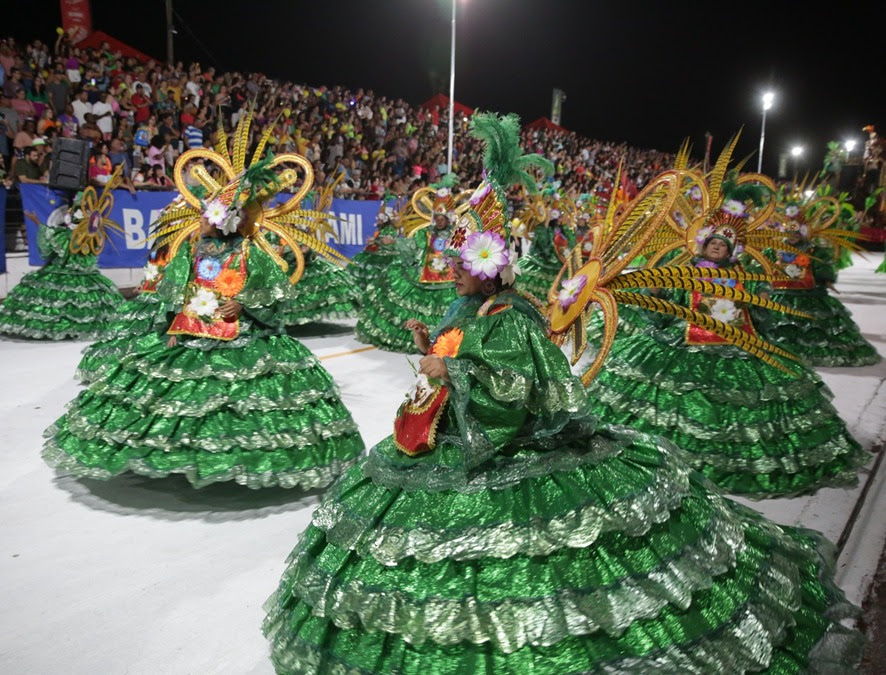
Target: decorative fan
[(91, 232)]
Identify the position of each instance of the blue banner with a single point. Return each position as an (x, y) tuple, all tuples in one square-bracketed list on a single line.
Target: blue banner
[(2, 230), (352, 221)]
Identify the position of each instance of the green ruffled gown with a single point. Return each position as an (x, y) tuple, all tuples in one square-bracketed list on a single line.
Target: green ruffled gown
[(540, 266), (417, 286), (371, 263), (832, 338), (535, 540), (134, 318), (245, 402), (67, 298), (748, 426), (326, 292)]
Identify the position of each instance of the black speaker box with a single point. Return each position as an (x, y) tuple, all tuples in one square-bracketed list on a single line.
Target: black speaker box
[(69, 164)]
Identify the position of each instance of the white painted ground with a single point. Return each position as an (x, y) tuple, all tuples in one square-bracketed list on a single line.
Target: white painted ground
[(150, 577)]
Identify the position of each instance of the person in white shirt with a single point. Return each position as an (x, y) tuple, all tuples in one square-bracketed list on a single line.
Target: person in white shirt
[(82, 106), (104, 115)]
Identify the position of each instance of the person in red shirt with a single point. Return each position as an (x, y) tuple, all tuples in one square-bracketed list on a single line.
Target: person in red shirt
[(142, 105)]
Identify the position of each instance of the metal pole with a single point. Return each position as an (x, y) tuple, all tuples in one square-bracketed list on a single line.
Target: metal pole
[(762, 138), (451, 89), (169, 54)]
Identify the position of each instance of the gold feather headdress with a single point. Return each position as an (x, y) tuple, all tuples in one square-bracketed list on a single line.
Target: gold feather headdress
[(91, 231), (601, 280), (249, 188)]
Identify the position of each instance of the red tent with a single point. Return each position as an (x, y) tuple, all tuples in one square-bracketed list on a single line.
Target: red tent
[(97, 37), (442, 102), (544, 123)]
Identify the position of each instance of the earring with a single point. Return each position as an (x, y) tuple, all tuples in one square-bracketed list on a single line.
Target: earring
[(488, 287)]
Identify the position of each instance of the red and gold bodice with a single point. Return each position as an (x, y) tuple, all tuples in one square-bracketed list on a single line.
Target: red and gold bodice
[(218, 275)]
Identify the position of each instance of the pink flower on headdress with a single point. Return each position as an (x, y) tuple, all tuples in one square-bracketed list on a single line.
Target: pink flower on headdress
[(695, 193), (792, 211), (443, 192), (570, 290), (733, 207), (703, 234), (484, 254)]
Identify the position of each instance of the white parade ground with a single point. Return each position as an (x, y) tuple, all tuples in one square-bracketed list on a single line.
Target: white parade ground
[(149, 577)]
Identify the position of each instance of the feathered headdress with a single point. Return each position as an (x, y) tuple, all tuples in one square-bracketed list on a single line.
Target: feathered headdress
[(481, 237), (600, 280), (241, 196)]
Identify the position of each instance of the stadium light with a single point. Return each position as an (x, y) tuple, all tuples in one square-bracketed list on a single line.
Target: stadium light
[(451, 91), (849, 145), (768, 99), (796, 151)]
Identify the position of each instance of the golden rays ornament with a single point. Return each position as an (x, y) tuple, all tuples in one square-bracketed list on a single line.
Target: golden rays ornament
[(225, 175), (91, 232), (600, 280)]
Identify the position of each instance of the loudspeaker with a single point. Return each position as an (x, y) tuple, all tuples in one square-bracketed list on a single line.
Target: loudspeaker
[(69, 164)]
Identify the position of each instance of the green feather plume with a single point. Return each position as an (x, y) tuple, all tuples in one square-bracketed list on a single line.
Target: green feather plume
[(747, 192), (503, 158)]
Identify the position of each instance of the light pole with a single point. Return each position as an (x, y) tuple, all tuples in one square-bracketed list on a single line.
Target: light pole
[(451, 90), (796, 151), (768, 98)]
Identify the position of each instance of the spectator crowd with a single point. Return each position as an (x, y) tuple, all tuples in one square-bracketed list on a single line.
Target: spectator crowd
[(143, 115)]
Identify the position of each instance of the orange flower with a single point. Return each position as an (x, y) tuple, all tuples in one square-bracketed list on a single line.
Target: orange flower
[(802, 260), (447, 343), (229, 282)]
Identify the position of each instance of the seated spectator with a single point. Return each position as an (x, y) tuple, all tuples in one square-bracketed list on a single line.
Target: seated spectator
[(68, 122), (23, 106), (13, 83), (158, 179), (47, 121), (28, 170), (38, 92), (194, 134), (25, 138), (100, 164)]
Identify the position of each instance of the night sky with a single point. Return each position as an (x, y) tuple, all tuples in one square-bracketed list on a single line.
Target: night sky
[(650, 73)]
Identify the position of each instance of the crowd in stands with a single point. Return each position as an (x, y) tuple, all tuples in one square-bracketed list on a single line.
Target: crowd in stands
[(145, 114)]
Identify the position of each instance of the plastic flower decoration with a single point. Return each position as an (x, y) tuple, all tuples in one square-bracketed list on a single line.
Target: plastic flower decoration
[(724, 310), (443, 192), (792, 211), (695, 193), (448, 343), (480, 193), (229, 282), (703, 234), (215, 212), (733, 207), (152, 271), (484, 254), (209, 268), (439, 264), (570, 290), (793, 271), (509, 272), (204, 303)]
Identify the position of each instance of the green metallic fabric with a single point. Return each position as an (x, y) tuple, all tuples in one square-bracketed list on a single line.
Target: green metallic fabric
[(832, 338), (370, 264), (749, 427), (398, 296), (259, 410), (325, 292), (67, 298), (535, 540)]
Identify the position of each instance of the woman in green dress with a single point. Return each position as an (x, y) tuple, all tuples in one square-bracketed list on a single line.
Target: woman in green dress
[(67, 298), (807, 267), (757, 427), (380, 252), (420, 283), (219, 392), (504, 529)]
